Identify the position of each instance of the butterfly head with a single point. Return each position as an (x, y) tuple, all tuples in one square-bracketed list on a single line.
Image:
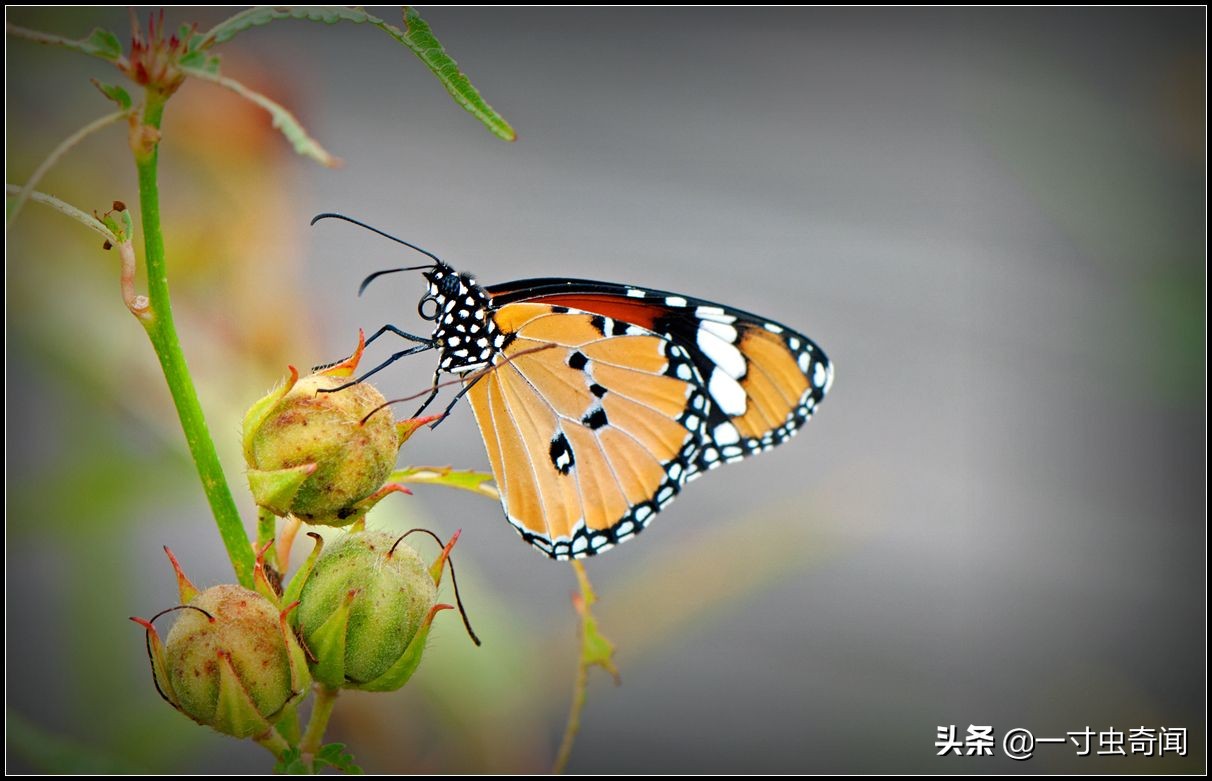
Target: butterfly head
[(461, 313)]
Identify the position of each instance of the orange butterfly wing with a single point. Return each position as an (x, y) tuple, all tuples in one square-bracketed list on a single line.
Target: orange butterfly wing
[(590, 435), (605, 400)]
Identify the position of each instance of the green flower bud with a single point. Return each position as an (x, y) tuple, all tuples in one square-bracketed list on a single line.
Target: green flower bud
[(365, 611), (323, 457), (230, 662)]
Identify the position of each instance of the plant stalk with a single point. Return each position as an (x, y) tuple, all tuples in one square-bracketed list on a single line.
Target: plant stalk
[(317, 724), (597, 651), (274, 742), (58, 152), (573, 725), (163, 334)]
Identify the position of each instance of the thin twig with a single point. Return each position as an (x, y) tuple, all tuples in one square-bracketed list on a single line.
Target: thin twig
[(48, 39), (580, 686), (57, 153), (137, 304), (595, 650), (85, 219)]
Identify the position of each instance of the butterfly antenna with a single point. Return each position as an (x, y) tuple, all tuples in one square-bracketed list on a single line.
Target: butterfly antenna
[(377, 274), (453, 581), (372, 229)]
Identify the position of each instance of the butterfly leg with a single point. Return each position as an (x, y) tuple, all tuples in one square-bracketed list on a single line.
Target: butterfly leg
[(397, 332), (433, 394), (394, 357), (376, 335), (454, 401)]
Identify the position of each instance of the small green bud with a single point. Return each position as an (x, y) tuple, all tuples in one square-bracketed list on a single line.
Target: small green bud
[(365, 611), (323, 457), (230, 662)]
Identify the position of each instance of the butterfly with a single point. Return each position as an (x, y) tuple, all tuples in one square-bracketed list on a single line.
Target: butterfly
[(598, 402)]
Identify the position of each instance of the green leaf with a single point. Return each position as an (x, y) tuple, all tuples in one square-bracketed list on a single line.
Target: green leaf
[(65, 146), (335, 756), (292, 764), (416, 35), (283, 120), (264, 14), (463, 479), (115, 93), (595, 648), (193, 59), (425, 45), (99, 43), (200, 60), (54, 754), (104, 44)]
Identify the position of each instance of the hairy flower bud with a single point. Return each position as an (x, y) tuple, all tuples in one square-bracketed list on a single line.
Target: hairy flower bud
[(365, 611), (230, 662), (321, 456)]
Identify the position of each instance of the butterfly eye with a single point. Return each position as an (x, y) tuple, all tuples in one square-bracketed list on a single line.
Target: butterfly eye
[(428, 308), (449, 286)]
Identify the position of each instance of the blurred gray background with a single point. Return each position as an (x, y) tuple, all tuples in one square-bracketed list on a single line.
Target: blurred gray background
[(992, 220)]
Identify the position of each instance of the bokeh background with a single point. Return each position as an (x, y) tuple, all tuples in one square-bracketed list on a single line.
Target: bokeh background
[(993, 220)]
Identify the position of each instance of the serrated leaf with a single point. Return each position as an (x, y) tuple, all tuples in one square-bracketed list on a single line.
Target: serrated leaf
[(103, 43), (115, 93), (99, 43), (264, 14), (194, 59), (292, 764), (425, 45), (595, 648), (463, 479), (335, 756), (283, 120), (416, 35), (200, 60)]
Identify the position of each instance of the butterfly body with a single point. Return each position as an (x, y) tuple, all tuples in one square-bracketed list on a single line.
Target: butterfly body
[(464, 330), (604, 400)]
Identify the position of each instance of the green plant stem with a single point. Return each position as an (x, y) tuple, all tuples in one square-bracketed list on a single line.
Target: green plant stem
[(321, 712), (163, 334), (573, 726), (273, 741), (596, 650)]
